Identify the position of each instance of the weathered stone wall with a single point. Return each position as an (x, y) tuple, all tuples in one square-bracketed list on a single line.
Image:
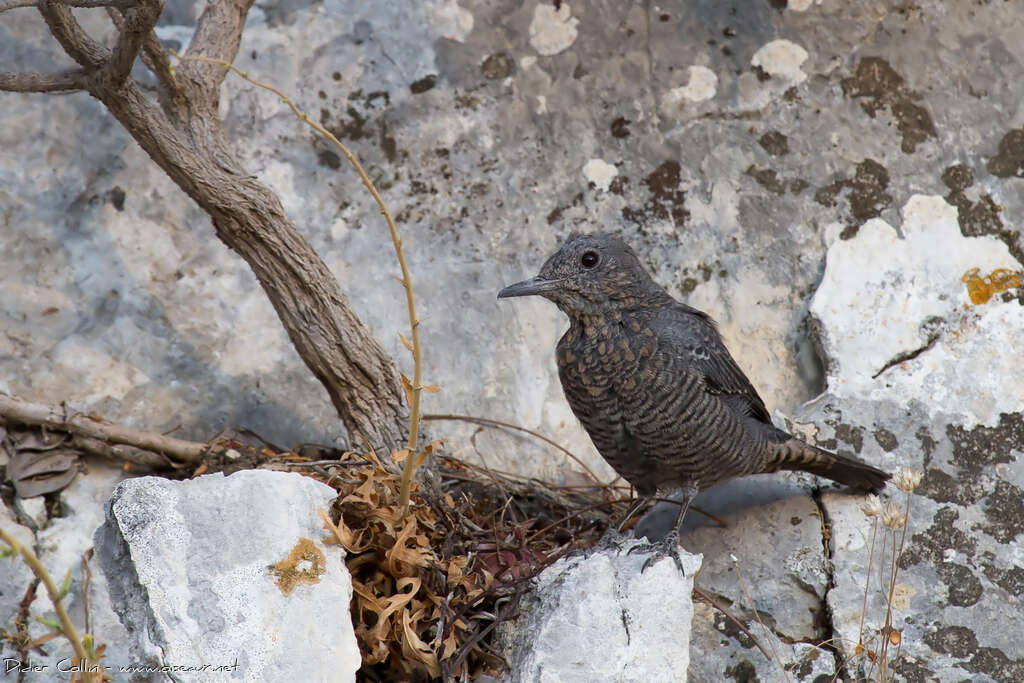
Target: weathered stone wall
[(751, 151)]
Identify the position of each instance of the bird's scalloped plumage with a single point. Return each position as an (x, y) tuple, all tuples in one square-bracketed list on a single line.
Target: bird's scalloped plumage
[(652, 382)]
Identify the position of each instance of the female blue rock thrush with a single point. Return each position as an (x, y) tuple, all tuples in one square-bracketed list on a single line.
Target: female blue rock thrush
[(653, 384)]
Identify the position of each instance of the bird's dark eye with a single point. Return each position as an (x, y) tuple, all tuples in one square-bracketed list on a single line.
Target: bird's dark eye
[(589, 259)]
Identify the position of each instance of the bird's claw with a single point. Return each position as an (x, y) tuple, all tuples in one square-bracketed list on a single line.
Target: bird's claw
[(666, 547), (611, 540)]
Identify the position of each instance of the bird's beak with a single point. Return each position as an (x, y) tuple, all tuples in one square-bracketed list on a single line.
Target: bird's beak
[(535, 285)]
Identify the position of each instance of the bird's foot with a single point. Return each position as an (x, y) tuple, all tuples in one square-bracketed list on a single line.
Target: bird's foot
[(658, 550), (611, 540)]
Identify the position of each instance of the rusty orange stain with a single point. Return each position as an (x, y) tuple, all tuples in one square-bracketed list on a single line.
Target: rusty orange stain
[(981, 288)]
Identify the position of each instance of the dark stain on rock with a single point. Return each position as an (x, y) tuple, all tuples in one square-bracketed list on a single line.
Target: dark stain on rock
[(980, 447), (885, 439), (353, 128), (866, 195), (620, 127), (958, 177), (877, 85), (424, 84), (798, 185), (761, 74), (666, 200), (927, 441), (914, 122), (960, 642), (980, 217), (1010, 580), (909, 670), (496, 66), (851, 435), (116, 196), (942, 488), (1009, 160), (775, 143), (956, 641), (387, 143), (768, 179), (930, 545), (995, 663), (556, 213), (618, 184), (728, 627), (963, 588), (329, 158), (742, 672), (1005, 511)]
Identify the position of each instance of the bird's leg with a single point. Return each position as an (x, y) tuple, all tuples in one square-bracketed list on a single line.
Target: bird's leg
[(669, 545)]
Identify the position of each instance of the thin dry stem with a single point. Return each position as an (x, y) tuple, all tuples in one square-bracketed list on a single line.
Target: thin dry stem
[(509, 425), (897, 552), (867, 583), (757, 615), (67, 627), (414, 323)]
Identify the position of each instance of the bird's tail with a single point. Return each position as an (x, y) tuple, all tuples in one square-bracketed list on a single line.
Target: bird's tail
[(794, 454)]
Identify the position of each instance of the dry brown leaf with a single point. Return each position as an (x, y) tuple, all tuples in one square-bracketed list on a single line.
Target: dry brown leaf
[(405, 342), (431, 388), (414, 647)]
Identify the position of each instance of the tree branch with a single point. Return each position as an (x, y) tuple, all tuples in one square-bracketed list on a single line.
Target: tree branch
[(78, 424), (69, 33), (217, 36), (136, 26), (74, 79), (86, 4), (189, 144)]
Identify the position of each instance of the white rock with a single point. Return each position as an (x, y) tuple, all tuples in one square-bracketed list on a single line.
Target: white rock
[(188, 567), (599, 618), (884, 297)]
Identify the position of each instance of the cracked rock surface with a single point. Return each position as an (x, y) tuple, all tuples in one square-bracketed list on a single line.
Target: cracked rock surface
[(229, 572), (598, 617)]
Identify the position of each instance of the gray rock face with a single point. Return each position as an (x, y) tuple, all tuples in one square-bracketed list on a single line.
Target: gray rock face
[(228, 574), (599, 618), (748, 151)]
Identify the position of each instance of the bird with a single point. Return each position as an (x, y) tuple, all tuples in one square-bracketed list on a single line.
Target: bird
[(652, 382)]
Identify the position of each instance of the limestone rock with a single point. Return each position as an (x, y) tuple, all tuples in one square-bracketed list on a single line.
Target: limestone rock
[(229, 573), (597, 617)]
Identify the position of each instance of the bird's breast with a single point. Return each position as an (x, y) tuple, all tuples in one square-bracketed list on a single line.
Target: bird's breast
[(605, 356)]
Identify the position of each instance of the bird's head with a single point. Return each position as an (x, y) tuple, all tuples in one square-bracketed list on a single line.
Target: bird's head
[(588, 275)]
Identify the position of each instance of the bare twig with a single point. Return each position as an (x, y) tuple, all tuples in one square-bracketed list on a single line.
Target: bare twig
[(706, 597), (23, 412), (84, 4), (508, 425), (414, 322), (67, 627), (138, 22), (757, 615), (867, 583), (73, 79), (210, 52)]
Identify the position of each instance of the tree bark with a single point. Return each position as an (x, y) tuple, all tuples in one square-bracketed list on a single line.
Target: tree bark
[(182, 133)]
